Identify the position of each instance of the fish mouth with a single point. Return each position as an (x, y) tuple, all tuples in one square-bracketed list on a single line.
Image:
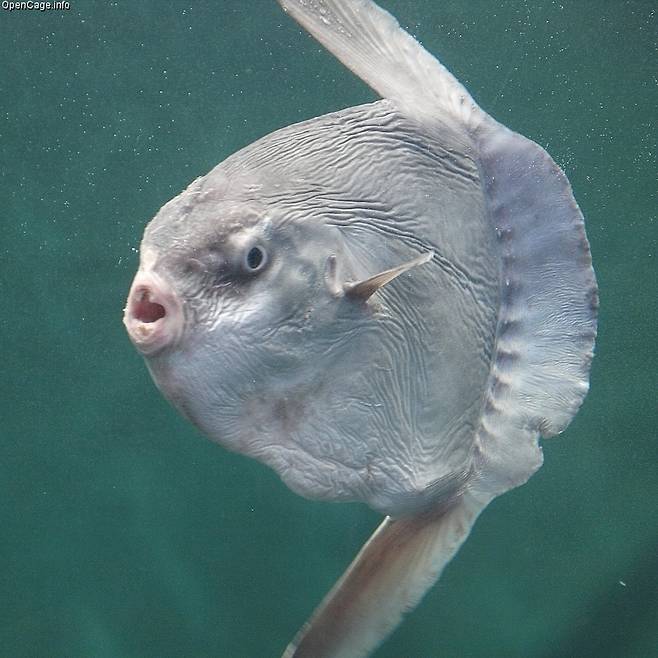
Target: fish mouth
[(153, 315)]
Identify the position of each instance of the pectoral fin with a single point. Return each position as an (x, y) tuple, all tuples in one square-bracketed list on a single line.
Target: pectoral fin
[(398, 564), (364, 289)]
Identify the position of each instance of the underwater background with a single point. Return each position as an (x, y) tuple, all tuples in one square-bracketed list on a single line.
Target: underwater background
[(123, 532)]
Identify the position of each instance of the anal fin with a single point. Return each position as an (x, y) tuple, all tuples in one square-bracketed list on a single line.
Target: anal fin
[(397, 565)]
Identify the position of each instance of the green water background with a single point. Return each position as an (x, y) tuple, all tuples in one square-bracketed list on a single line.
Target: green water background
[(123, 533)]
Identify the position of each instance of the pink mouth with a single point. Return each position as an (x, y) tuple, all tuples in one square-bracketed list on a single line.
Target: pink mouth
[(146, 311), (153, 315)]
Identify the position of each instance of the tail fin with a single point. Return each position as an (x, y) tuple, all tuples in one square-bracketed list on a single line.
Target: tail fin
[(389, 576), (548, 312)]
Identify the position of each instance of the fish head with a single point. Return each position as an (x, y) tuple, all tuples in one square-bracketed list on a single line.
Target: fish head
[(234, 306)]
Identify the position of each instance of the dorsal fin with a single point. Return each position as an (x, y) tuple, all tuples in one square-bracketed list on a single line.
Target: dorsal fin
[(371, 43)]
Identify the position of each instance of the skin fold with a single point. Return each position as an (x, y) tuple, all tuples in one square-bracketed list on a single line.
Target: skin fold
[(388, 304)]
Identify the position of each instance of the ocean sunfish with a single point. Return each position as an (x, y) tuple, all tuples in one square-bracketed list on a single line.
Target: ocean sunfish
[(388, 304)]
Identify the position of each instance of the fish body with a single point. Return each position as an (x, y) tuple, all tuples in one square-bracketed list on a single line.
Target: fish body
[(388, 304), (392, 375)]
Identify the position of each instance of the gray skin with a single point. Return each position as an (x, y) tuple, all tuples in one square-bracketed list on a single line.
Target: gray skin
[(375, 401), (388, 304)]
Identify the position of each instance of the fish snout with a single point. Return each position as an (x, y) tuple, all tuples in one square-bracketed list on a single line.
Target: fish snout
[(153, 315)]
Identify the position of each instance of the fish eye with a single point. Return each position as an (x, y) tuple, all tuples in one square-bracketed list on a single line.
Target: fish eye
[(255, 259)]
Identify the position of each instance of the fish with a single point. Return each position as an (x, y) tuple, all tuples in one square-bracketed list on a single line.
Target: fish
[(391, 304)]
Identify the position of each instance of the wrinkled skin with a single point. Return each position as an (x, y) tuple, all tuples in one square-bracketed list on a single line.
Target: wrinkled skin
[(389, 304), (277, 362)]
